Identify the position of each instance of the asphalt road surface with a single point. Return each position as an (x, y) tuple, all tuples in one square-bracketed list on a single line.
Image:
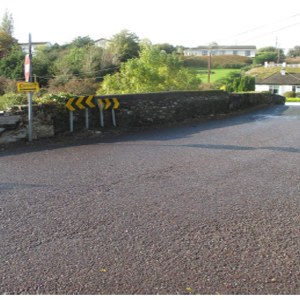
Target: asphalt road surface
[(205, 208)]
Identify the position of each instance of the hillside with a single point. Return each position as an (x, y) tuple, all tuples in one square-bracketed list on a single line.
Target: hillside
[(217, 61)]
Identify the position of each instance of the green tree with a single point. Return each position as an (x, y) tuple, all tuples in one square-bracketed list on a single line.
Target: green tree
[(295, 52), (91, 64), (235, 82), (12, 66), (154, 71), (43, 61), (7, 42), (166, 47), (69, 62), (243, 86), (260, 58), (7, 24), (81, 42), (269, 54), (125, 45), (271, 49)]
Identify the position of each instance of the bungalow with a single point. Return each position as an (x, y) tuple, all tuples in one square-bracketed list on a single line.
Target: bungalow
[(102, 43), (279, 83), (221, 50)]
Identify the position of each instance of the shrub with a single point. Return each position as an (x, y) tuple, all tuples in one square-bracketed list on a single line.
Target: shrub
[(54, 98), (8, 100), (260, 58), (289, 94), (217, 61), (154, 71), (74, 86), (10, 86), (2, 84)]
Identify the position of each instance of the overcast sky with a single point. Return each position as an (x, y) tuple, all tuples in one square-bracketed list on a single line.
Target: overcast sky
[(189, 23)]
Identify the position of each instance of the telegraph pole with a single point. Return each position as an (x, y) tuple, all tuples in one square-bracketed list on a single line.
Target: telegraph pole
[(278, 50), (209, 67)]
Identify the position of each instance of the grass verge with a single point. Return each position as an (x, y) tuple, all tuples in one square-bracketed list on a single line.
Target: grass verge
[(292, 99)]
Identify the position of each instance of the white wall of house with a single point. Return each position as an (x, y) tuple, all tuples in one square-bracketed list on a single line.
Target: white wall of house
[(103, 43), (195, 52), (277, 89), (261, 88)]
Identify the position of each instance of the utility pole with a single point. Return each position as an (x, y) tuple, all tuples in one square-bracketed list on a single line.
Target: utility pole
[(209, 67), (278, 50)]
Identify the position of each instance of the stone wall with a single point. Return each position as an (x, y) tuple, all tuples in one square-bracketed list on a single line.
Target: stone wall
[(152, 108)]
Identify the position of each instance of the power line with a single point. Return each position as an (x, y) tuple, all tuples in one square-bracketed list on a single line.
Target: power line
[(260, 27), (263, 26), (277, 30)]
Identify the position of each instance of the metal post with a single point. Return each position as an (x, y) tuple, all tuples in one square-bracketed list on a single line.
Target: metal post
[(30, 95), (71, 121), (101, 118), (101, 107), (30, 113), (87, 118), (113, 117)]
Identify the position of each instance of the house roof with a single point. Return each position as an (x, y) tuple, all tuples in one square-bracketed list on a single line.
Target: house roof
[(278, 79), (106, 40)]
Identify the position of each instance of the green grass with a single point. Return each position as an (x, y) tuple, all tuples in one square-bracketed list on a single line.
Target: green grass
[(292, 99), (215, 75)]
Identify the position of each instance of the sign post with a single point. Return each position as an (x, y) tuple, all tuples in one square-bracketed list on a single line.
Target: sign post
[(28, 78)]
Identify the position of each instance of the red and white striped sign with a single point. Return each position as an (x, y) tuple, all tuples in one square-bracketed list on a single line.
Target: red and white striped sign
[(27, 68)]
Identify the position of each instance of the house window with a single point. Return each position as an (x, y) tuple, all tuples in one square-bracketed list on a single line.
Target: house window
[(235, 52), (274, 89), (204, 52), (297, 89), (222, 52), (247, 53)]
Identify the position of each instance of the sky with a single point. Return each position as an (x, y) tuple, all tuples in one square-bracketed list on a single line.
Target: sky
[(187, 23)]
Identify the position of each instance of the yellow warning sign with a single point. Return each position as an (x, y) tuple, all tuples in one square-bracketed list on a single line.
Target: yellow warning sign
[(28, 87)]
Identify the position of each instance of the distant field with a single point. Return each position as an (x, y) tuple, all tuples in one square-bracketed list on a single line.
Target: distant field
[(214, 76)]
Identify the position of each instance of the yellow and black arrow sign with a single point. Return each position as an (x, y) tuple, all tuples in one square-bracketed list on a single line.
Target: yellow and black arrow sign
[(116, 103), (80, 103), (108, 103)]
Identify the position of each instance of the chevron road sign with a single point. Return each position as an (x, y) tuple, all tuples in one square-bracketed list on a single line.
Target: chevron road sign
[(116, 103), (109, 103), (80, 103)]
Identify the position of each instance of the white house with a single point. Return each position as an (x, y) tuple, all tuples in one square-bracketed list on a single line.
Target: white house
[(103, 43), (221, 50), (279, 83)]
